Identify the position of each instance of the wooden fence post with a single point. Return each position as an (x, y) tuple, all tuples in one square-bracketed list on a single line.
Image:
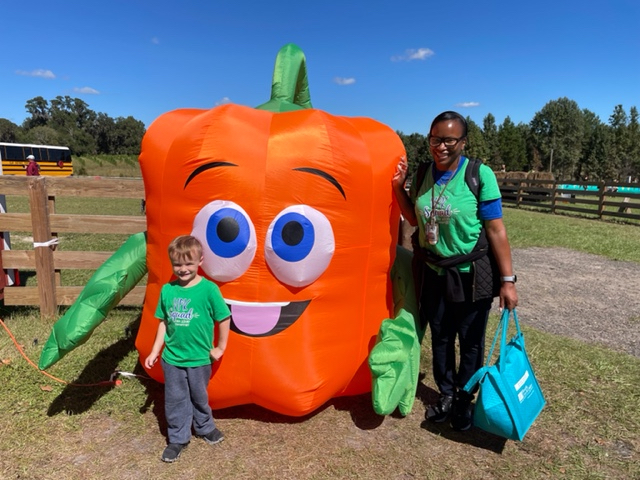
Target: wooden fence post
[(519, 195), (45, 272), (602, 189)]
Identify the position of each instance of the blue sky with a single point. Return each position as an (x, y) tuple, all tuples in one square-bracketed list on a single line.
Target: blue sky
[(400, 62)]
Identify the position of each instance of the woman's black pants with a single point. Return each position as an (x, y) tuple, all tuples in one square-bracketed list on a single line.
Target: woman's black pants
[(466, 321)]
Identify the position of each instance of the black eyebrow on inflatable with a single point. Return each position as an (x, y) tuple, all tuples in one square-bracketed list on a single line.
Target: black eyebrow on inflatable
[(205, 167), (324, 175)]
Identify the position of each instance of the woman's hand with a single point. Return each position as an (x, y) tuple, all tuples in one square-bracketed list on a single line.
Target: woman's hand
[(400, 175), (404, 202), (508, 296)]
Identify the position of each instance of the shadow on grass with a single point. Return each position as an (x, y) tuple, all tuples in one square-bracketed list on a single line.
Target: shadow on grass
[(155, 399), (359, 407), (475, 437), (75, 399)]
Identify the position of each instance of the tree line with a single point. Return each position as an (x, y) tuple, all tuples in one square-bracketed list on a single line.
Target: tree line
[(570, 142), (70, 122)]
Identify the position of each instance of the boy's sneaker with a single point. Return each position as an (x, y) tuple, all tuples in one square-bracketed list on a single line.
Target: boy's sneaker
[(173, 451), (439, 412), (214, 437), (462, 415)]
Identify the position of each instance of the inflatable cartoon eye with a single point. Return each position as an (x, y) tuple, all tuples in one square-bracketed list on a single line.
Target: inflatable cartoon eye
[(228, 239), (299, 245)]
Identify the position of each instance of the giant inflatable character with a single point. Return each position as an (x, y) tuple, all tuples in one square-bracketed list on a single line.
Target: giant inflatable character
[(295, 211)]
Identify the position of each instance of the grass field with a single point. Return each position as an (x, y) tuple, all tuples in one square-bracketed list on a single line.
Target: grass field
[(588, 430), (107, 166)]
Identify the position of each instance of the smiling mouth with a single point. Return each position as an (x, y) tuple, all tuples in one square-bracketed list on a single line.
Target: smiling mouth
[(263, 319)]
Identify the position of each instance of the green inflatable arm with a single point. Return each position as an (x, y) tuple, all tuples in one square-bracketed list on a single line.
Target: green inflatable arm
[(395, 358), (108, 285)]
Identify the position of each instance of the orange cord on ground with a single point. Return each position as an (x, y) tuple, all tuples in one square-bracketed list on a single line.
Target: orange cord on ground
[(99, 384)]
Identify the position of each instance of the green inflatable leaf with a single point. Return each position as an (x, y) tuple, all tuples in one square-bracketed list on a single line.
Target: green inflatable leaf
[(395, 358), (108, 285)]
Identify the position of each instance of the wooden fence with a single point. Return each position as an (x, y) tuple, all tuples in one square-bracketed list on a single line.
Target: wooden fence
[(615, 200), (45, 224)]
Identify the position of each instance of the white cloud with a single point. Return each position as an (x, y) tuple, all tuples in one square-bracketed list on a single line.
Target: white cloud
[(468, 104), (86, 90), (37, 73), (222, 101), (413, 54), (155, 41), (344, 81)]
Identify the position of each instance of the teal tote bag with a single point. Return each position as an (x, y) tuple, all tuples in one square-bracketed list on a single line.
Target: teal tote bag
[(510, 398)]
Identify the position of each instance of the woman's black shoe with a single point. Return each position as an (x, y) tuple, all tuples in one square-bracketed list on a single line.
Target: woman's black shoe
[(439, 412), (462, 412)]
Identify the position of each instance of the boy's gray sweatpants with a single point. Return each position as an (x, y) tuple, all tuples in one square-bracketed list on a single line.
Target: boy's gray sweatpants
[(186, 401)]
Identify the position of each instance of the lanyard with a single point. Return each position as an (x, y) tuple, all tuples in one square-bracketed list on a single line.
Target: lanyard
[(435, 202)]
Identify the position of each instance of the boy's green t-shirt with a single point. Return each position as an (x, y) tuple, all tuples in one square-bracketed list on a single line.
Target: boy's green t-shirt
[(190, 313), (456, 211)]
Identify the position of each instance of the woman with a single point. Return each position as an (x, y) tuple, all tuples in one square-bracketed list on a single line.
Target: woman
[(454, 226)]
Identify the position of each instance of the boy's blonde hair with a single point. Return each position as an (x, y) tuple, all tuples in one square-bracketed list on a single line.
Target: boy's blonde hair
[(185, 247)]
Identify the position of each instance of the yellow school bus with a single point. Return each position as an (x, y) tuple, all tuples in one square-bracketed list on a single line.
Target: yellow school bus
[(52, 160)]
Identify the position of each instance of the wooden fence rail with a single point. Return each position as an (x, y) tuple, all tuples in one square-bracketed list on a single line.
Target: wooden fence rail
[(45, 224), (617, 200)]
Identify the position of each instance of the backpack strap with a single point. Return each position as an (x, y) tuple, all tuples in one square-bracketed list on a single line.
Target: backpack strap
[(472, 176)]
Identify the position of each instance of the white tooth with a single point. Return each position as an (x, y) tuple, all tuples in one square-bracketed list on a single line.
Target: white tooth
[(256, 304)]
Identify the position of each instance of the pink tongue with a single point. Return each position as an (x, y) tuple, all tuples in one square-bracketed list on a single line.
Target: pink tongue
[(255, 320)]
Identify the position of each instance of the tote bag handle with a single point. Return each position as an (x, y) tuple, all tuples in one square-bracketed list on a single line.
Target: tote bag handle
[(501, 332), (503, 327)]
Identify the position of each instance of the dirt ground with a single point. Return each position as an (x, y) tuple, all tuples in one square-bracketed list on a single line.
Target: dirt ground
[(580, 295)]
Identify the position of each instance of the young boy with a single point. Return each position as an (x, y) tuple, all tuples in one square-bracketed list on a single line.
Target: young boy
[(188, 308)]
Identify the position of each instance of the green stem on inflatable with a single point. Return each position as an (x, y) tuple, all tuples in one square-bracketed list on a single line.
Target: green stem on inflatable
[(290, 86)]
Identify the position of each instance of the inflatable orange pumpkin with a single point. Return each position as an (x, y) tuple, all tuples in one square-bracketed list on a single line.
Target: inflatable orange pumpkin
[(295, 211)]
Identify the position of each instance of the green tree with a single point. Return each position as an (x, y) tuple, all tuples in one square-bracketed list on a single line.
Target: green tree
[(38, 108), (512, 146), (42, 136), (558, 132), (8, 131), (476, 145), (73, 119), (490, 134), (103, 132), (634, 142), (532, 162), (80, 128), (128, 133), (593, 160), (417, 149), (619, 144)]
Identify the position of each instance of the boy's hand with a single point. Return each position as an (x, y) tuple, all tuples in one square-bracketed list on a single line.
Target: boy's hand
[(216, 353), (151, 360)]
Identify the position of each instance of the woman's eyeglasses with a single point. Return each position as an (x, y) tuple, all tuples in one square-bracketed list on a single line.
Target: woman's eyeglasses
[(448, 141)]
